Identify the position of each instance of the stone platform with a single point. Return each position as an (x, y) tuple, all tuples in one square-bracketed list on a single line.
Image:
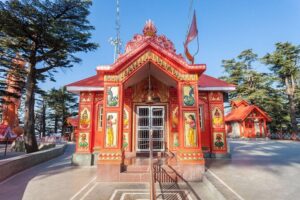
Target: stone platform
[(137, 169)]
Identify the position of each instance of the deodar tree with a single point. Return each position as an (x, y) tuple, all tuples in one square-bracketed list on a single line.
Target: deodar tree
[(46, 34), (284, 63)]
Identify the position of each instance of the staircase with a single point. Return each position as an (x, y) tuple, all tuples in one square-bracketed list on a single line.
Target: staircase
[(137, 169)]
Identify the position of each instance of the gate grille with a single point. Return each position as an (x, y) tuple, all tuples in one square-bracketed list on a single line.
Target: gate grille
[(150, 118)]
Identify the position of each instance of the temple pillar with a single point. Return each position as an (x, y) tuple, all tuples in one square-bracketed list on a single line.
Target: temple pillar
[(98, 125), (84, 145), (219, 141), (189, 154), (111, 157)]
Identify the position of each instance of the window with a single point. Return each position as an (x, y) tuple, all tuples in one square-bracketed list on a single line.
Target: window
[(201, 117), (100, 116)]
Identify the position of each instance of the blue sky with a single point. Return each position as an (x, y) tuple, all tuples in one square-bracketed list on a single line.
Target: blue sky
[(226, 27)]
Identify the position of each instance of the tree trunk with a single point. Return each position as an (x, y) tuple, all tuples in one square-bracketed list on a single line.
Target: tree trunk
[(29, 133), (292, 105), (55, 124), (63, 128), (44, 119)]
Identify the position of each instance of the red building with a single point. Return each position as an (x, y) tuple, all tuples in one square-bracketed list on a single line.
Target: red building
[(246, 120), (150, 89)]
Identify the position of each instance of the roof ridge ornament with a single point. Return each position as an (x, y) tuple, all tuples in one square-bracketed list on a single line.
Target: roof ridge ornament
[(149, 28)]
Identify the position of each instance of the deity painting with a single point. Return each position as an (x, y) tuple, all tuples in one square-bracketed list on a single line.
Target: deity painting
[(83, 141), (111, 129), (85, 118), (175, 118), (125, 141), (175, 140), (188, 96), (190, 129), (219, 142), (125, 119), (113, 96), (217, 118)]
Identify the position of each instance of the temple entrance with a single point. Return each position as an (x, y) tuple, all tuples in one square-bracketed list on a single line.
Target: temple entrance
[(150, 118)]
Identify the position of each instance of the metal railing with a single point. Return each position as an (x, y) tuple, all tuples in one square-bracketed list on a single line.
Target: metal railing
[(152, 178)]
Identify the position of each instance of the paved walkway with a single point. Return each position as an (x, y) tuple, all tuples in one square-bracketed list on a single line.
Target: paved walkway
[(9, 153), (54, 179), (58, 179), (260, 170)]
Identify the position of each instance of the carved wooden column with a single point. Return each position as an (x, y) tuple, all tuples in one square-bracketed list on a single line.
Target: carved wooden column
[(111, 156), (219, 142), (84, 144), (189, 155)]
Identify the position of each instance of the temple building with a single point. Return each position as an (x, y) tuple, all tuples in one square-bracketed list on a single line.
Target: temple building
[(246, 120), (150, 91)]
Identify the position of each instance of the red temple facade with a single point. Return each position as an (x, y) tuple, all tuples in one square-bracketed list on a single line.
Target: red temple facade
[(246, 120), (150, 89)]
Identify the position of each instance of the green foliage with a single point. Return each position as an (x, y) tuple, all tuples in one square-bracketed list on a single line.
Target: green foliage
[(258, 88), (63, 104), (284, 63), (46, 34)]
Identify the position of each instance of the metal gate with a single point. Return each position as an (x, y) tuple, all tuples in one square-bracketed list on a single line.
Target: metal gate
[(150, 118)]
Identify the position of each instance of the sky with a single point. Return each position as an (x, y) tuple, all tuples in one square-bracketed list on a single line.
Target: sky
[(226, 27)]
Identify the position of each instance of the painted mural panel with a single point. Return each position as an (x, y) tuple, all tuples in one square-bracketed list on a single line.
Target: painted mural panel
[(188, 95), (113, 96), (217, 118), (175, 140), (174, 122), (83, 141), (190, 129), (111, 132), (85, 118), (125, 141), (219, 141), (125, 118)]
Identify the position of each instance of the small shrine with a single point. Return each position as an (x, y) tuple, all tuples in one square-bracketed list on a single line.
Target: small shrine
[(246, 120), (150, 89)]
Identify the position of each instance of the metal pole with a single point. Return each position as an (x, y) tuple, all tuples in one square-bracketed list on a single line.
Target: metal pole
[(6, 147), (152, 186)]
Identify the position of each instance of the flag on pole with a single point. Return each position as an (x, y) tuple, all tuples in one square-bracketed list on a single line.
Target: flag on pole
[(193, 33)]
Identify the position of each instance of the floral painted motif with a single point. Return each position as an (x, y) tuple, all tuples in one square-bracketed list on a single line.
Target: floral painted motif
[(175, 140), (125, 119), (188, 96), (175, 118), (83, 141), (125, 141), (219, 142), (113, 96)]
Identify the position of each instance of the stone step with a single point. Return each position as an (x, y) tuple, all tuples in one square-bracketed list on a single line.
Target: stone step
[(134, 177), (137, 168)]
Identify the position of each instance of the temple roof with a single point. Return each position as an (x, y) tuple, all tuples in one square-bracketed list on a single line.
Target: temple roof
[(73, 121), (210, 83), (94, 83), (159, 46), (242, 112)]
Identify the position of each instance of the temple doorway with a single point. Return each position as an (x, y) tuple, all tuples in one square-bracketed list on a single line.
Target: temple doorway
[(150, 118)]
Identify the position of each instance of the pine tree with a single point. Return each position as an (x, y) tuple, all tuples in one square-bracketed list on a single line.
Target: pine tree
[(46, 34), (63, 104), (284, 63), (256, 87)]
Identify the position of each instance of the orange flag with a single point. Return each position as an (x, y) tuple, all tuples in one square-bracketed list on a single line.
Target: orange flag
[(193, 33)]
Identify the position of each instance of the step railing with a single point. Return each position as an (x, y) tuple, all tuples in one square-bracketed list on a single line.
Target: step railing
[(152, 180), (162, 176)]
